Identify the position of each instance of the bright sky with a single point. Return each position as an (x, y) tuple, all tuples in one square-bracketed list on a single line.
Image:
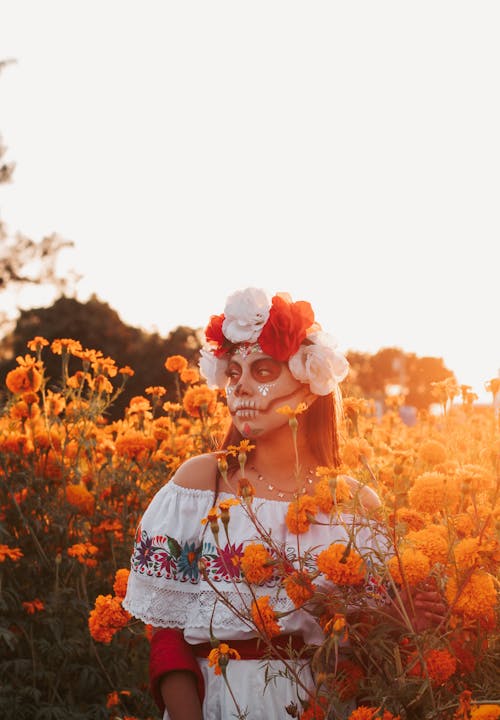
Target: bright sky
[(345, 152)]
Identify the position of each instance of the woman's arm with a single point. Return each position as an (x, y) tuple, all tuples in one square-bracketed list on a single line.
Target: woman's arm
[(175, 677), (179, 692)]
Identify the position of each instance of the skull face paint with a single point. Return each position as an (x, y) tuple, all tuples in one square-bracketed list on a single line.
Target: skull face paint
[(258, 385)]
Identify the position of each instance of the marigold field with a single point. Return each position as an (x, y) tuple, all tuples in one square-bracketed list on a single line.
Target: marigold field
[(74, 484)]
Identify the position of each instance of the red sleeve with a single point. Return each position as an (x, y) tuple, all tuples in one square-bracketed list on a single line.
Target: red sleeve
[(169, 651)]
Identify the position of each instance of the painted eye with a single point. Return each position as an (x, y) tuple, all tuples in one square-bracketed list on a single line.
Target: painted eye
[(233, 371), (266, 370)]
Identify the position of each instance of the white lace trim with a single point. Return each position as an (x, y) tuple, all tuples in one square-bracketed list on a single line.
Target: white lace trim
[(192, 607)]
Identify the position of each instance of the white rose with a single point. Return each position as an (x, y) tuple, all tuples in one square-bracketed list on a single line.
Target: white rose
[(213, 369), (245, 314), (319, 365)]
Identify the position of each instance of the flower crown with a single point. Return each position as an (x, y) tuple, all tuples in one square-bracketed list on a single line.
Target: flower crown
[(279, 327)]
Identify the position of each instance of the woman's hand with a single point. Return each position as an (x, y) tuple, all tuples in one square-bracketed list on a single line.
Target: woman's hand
[(424, 606)]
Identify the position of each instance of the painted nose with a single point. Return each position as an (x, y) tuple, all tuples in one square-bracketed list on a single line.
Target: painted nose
[(241, 387)]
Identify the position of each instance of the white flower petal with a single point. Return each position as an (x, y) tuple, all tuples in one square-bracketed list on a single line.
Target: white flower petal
[(245, 314)]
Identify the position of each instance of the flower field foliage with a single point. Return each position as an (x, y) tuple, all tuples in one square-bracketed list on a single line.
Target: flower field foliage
[(73, 485)]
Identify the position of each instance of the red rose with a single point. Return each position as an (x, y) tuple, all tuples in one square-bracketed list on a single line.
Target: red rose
[(286, 328), (213, 333)]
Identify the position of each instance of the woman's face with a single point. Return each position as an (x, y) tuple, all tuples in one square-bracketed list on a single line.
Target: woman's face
[(257, 386)]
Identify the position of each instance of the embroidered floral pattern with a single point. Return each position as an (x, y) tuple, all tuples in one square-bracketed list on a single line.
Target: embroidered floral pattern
[(165, 557)]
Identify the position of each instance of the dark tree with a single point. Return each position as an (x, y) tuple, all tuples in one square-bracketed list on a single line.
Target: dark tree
[(99, 327)]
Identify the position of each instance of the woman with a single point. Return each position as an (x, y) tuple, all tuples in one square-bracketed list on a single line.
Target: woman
[(268, 354)]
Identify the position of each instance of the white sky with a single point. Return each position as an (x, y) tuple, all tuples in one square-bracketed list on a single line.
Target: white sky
[(345, 152)]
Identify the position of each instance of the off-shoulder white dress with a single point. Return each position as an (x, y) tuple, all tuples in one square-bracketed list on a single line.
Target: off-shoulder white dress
[(165, 589)]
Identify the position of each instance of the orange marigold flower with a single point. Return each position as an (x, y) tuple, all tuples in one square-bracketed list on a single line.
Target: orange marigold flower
[(476, 600), (432, 541), (264, 617), (65, 345), (412, 519), (156, 390), (256, 563), (219, 657), (467, 553), (134, 444), (33, 606), (348, 678), (463, 524), (84, 553), (101, 384), (176, 363), (126, 370), (23, 379), (355, 451), (54, 403), (433, 491), (107, 617), (200, 401), (22, 410), (341, 564), (120, 583), (291, 412), (315, 710), (440, 664), (301, 514), (78, 496), (485, 712), (299, 587), (13, 554), (412, 566), (37, 343), (363, 712), (329, 492), (112, 699), (245, 489), (432, 452), (337, 625), (190, 375), (476, 477)]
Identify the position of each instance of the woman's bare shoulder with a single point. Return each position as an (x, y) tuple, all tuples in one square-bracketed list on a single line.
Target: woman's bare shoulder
[(198, 472)]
